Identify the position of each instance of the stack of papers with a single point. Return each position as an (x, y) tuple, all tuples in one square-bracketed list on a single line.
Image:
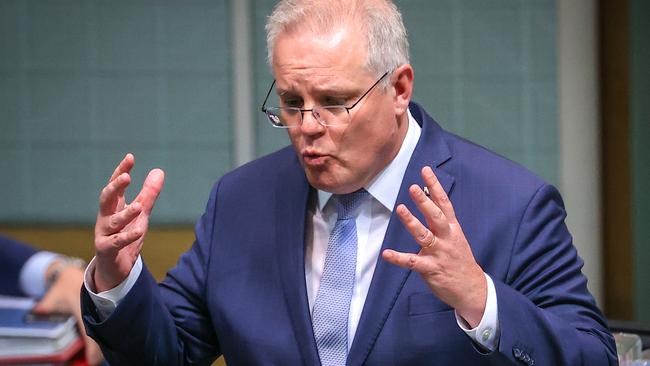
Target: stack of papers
[(25, 338)]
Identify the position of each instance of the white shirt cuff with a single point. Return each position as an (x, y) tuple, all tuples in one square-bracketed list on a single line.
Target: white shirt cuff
[(486, 334), (107, 301), (32, 275)]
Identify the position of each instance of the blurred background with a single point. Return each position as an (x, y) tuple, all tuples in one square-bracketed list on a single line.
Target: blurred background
[(560, 86)]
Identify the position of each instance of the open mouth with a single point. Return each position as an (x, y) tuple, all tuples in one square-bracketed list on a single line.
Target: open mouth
[(313, 158)]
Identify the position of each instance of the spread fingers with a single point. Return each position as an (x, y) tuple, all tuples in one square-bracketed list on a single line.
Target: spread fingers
[(422, 235), (406, 260), (434, 216), (119, 220), (110, 195), (437, 193), (122, 239), (124, 166)]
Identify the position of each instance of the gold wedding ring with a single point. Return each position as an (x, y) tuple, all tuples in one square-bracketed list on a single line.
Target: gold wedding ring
[(433, 242)]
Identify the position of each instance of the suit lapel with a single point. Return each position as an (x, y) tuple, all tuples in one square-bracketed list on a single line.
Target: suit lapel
[(291, 207), (388, 280)]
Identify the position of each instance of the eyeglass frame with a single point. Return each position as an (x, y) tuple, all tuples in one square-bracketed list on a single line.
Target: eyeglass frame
[(302, 111)]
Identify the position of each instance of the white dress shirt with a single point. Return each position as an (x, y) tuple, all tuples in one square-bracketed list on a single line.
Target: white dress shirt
[(372, 222), (32, 275)]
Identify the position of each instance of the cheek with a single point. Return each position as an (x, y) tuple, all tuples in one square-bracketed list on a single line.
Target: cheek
[(294, 137), (375, 143), (357, 149), (371, 137)]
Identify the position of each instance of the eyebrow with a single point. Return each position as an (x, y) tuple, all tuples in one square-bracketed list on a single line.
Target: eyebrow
[(327, 91)]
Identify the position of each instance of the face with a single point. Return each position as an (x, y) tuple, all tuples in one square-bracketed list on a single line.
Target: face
[(325, 69)]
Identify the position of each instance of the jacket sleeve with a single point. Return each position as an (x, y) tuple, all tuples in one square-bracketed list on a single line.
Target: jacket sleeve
[(546, 314), (13, 256), (166, 324)]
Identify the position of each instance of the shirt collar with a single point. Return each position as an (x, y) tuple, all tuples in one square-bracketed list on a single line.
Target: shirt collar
[(383, 187)]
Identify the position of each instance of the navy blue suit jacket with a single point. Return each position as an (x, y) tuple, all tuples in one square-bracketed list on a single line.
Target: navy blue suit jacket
[(13, 256), (240, 290)]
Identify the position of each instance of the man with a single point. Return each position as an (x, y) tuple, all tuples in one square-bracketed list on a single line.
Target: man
[(53, 279), (331, 252)]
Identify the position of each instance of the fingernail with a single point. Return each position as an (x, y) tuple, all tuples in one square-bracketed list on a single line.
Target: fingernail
[(415, 189), (402, 210)]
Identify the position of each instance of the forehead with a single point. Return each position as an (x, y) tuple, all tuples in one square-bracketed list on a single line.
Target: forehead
[(319, 56)]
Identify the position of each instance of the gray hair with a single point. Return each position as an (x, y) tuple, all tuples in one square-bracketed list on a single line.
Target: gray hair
[(379, 20)]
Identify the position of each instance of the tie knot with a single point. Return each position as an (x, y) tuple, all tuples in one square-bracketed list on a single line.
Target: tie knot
[(346, 204)]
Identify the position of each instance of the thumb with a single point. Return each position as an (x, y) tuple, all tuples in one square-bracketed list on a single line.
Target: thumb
[(151, 188)]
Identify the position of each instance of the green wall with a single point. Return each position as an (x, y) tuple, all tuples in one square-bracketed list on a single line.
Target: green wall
[(640, 141), (84, 81), (486, 70)]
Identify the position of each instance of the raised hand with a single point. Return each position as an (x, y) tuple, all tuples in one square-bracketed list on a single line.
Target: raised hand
[(445, 260), (120, 228)]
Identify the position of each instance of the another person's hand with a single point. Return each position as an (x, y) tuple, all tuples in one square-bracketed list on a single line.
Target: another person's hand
[(120, 228), (445, 260), (63, 298)]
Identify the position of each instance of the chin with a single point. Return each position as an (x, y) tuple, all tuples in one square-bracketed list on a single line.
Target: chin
[(321, 180), (328, 183), (321, 184)]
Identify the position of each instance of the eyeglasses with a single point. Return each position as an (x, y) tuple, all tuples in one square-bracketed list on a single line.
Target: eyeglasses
[(331, 115)]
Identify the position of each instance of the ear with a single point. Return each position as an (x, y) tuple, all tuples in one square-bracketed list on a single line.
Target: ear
[(402, 83)]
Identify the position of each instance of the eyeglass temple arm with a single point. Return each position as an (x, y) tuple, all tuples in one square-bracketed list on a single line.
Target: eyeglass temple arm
[(267, 97), (367, 91), (263, 108)]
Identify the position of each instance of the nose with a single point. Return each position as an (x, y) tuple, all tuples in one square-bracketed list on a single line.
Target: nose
[(310, 125)]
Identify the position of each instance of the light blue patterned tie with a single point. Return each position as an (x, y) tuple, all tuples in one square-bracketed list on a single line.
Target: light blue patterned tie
[(332, 305)]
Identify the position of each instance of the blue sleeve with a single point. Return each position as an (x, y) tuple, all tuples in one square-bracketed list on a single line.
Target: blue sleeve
[(166, 324), (13, 256), (546, 313)]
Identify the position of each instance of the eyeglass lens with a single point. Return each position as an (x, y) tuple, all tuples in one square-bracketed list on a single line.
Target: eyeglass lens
[(290, 117)]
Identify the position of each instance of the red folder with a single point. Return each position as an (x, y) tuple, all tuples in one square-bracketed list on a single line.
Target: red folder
[(72, 355)]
